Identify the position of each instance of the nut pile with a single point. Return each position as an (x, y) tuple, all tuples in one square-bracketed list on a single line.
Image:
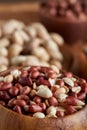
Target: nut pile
[(66, 8), (23, 45), (42, 92)]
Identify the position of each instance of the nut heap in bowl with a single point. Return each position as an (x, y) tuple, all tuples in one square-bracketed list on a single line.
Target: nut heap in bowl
[(23, 45), (67, 17), (37, 92)]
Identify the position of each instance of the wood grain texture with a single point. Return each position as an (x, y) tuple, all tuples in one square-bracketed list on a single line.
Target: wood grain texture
[(27, 12), (10, 120)]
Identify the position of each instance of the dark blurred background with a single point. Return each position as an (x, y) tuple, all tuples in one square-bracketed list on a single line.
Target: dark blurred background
[(18, 1)]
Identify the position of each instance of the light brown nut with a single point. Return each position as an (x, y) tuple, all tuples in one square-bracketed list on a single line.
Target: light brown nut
[(8, 78), (51, 48), (41, 53), (18, 60), (4, 42), (39, 115), (17, 38), (31, 31), (24, 36), (34, 43), (14, 50), (4, 61), (3, 51), (56, 63), (9, 26), (32, 93), (41, 31), (69, 82), (44, 91), (3, 68), (31, 60), (45, 64), (57, 38)]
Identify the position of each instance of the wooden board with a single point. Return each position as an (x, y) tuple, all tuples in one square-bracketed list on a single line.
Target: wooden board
[(27, 12)]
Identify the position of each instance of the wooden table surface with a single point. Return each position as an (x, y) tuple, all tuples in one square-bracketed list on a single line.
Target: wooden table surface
[(27, 12)]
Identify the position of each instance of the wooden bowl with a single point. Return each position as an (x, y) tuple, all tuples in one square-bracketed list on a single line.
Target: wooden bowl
[(79, 66), (72, 30), (10, 120)]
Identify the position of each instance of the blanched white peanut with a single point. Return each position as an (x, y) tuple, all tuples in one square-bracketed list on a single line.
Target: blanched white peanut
[(57, 38), (44, 91), (8, 78), (4, 42), (61, 90), (76, 89), (80, 103), (14, 50), (39, 115), (68, 81), (52, 81), (41, 31), (4, 61), (62, 97), (31, 31), (3, 67), (51, 112), (53, 49), (17, 38), (3, 51), (10, 26), (41, 53), (31, 60), (15, 73)]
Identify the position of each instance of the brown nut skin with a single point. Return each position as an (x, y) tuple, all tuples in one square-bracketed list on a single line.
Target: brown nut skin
[(76, 121)]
